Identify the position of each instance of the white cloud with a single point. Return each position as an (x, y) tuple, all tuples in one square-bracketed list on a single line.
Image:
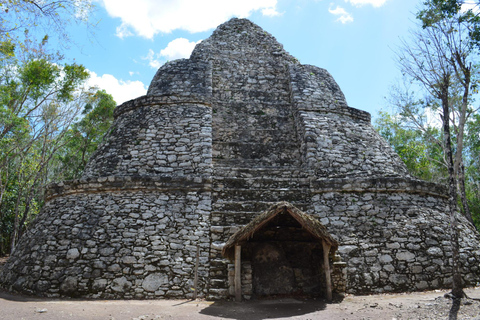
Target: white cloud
[(359, 3), (123, 31), (344, 16), (153, 60), (120, 90), (175, 49), (178, 48), (470, 5), (149, 17), (270, 12)]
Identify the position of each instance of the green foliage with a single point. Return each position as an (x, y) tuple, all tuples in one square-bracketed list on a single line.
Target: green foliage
[(85, 135), (7, 49), (27, 90), (37, 76), (74, 75), (40, 99), (8, 215), (423, 156), (39, 103), (437, 10), (418, 149)]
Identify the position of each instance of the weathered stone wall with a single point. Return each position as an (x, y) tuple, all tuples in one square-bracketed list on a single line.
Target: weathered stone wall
[(130, 243), (338, 146), (246, 279), (313, 88), (339, 276), (336, 140), (395, 241), (183, 78), (156, 136), (393, 232), (252, 115)]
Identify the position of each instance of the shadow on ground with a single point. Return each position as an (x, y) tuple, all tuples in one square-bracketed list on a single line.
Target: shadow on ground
[(263, 309), (25, 297)]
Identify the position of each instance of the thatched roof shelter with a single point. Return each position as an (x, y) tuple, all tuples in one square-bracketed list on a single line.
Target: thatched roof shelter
[(308, 222)]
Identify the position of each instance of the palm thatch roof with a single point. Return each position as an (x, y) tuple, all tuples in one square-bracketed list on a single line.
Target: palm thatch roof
[(308, 222)]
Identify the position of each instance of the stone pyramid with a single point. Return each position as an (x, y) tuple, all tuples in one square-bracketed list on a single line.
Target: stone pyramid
[(218, 139)]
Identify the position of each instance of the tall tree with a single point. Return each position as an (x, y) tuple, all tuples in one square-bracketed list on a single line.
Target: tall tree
[(39, 101), (440, 57), (438, 54)]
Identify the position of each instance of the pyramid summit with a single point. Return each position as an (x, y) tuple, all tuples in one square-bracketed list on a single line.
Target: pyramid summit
[(240, 149)]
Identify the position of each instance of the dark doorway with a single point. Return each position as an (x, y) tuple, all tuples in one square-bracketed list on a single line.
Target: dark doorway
[(285, 252), (286, 260)]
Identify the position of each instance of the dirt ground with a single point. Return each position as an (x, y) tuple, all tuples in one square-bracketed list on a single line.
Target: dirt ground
[(423, 305)]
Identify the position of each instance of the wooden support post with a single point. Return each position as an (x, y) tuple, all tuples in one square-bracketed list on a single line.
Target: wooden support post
[(328, 278), (238, 273)]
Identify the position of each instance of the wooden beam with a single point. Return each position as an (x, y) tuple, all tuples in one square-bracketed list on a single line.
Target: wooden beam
[(326, 252), (238, 273)]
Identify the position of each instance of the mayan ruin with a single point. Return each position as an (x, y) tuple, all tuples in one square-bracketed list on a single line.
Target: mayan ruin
[(240, 172)]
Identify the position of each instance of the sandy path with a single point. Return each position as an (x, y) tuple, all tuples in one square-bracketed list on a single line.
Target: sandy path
[(425, 305)]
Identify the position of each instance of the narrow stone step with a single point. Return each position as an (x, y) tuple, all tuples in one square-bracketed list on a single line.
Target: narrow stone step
[(255, 207), (282, 183), (253, 172), (255, 153), (270, 196)]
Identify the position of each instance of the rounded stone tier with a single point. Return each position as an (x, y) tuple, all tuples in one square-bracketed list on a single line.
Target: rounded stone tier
[(201, 184), (116, 243), (157, 136), (126, 183), (137, 237)]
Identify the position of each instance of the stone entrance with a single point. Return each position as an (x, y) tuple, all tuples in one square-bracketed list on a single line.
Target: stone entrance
[(289, 253), (286, 259)]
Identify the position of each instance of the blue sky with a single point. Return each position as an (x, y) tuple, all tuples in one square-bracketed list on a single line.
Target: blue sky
[(353, 39)]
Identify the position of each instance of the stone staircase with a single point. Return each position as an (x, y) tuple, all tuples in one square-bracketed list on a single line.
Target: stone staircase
[(234, 204)]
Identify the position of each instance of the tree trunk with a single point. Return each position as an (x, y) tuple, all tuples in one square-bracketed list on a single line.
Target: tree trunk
[(459, 169), (457, 286), (463, 194), (13, 240), (21, 227)]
